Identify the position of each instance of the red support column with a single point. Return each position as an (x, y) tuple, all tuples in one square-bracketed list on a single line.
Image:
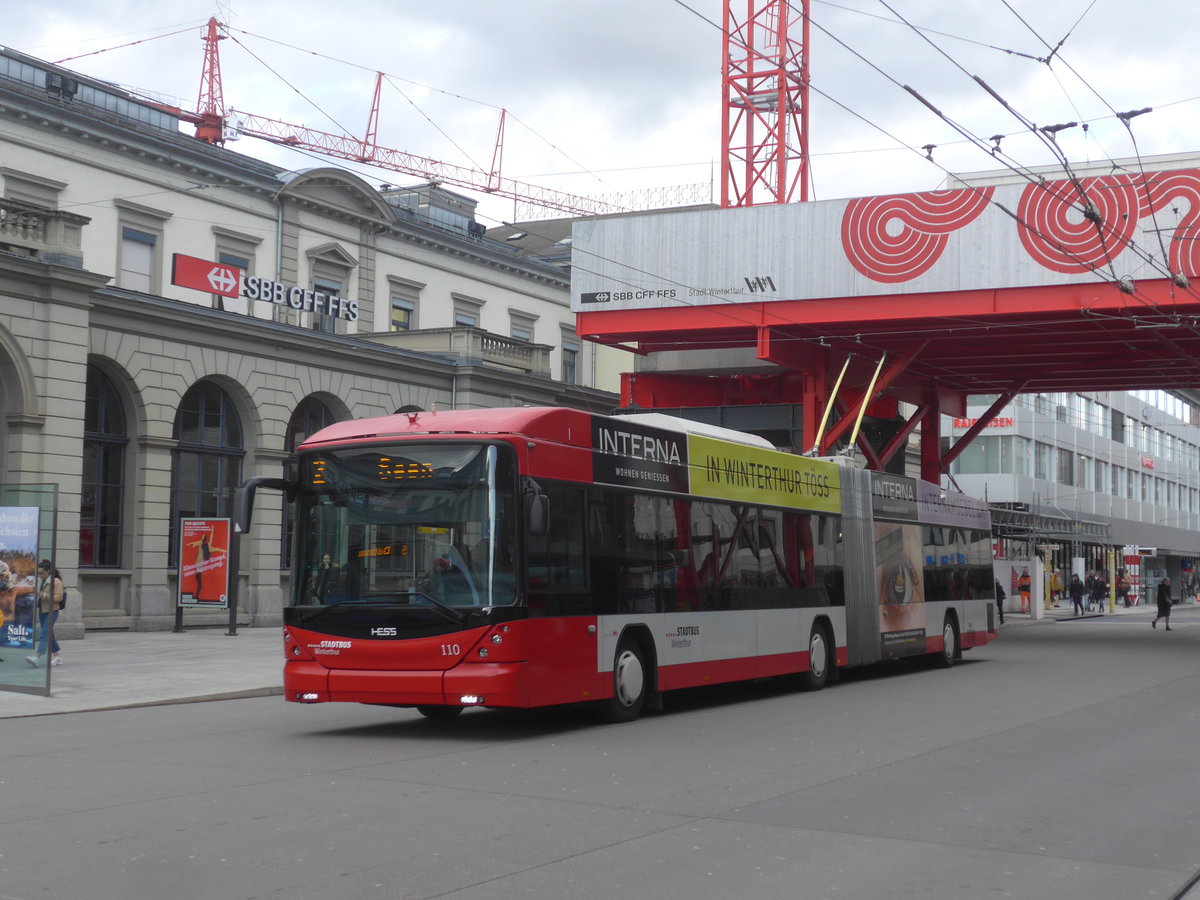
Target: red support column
[(812, 406), (931, 440)]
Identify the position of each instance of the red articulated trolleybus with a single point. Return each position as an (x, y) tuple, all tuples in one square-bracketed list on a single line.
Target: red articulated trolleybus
[(531, 557)]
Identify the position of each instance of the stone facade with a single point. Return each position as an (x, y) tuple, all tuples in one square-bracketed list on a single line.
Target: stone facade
[(94, 205)]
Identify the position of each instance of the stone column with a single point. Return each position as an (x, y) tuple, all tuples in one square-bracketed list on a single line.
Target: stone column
[(151, 591), (262, 597)]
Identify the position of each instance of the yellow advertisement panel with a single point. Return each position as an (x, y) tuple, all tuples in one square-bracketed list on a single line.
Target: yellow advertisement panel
[(726, 471)]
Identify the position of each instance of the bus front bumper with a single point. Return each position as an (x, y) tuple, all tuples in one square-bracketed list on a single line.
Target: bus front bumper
[(472, 684)]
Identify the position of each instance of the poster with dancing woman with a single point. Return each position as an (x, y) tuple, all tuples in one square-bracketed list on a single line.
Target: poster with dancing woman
[(204, 563)]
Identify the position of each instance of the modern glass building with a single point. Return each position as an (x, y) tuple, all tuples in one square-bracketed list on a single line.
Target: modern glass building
[(1093, 472)]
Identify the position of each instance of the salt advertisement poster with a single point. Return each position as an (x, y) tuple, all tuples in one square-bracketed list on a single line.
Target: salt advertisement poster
[(18, 574)]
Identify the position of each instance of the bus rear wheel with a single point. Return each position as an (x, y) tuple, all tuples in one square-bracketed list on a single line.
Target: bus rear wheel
[(944, 658), (819, 661), (440, 712), (629, 683)]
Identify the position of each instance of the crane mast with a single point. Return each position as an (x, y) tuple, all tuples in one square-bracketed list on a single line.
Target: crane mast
[(764, 120), (214, 125)]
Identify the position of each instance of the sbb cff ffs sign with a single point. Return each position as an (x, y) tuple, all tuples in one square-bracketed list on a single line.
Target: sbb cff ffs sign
[(230, 281), (206, 275)]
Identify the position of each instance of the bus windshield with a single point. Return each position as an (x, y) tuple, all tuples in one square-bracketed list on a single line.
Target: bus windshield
[(426, 524)]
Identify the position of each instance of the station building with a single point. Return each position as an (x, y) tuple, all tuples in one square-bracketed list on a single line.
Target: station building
[(1083, 482), (176, 317)]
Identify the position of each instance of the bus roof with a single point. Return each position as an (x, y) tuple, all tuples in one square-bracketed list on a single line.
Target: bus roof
[(688, 426), (569, 426)]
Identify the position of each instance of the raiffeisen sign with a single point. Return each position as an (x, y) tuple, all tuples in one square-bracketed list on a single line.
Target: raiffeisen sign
[(230, 281), (1006, 236)]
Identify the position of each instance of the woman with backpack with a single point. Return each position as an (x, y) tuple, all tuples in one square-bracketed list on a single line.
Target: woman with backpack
[(51, 597)]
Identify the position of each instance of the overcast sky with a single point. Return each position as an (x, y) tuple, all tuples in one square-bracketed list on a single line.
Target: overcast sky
[(607, 96)]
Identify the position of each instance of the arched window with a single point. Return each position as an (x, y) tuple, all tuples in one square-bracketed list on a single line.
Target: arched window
[(102, 503), (310, 417), (207, 465)]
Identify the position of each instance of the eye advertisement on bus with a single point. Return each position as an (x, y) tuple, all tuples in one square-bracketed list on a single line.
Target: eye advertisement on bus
[(204, 563), (900, 590)]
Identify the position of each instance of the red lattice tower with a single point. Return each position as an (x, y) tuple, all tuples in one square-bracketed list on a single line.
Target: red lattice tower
[(764, 78), (210, 106)]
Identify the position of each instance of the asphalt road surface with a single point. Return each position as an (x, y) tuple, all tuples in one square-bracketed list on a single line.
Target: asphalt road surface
[(1059, 762)]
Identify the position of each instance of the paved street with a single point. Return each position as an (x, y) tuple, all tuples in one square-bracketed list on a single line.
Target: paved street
[(1057, 762)]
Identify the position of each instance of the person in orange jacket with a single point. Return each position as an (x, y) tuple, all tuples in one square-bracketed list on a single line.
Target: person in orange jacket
[(1025, 589)]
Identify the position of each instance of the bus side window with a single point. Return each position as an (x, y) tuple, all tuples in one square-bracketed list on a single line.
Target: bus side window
[(828, 560), (557, 567), (605, 550), (686, 599), (726, 574), (704, 555)]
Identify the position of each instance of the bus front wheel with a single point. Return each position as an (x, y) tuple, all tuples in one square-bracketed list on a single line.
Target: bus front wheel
[(629, 683)]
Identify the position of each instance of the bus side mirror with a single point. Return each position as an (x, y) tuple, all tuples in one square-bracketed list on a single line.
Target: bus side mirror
[(537, 507), (243, 500), (537, 513)]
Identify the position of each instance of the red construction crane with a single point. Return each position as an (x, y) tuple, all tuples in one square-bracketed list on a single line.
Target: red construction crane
[(215, 125), (764, 78), (210, 107)]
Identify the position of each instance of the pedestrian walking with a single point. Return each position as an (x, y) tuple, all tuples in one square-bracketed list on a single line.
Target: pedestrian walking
[(1100, 592), (1164, 603), (1025, 589), (50, 596), (1000, 600), (1076, 591), (1123, 585)]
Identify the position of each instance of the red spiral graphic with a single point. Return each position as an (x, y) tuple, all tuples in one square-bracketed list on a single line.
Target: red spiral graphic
[(921, 223), (1060, 233), (1159, 191)]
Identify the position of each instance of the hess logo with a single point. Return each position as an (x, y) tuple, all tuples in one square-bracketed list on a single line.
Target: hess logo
[(383, 631)]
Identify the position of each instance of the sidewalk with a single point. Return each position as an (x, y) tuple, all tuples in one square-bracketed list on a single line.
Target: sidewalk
[(1066, 613), (116, 669)]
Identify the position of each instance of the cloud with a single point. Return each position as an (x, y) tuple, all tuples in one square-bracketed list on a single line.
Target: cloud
[(624, 94)]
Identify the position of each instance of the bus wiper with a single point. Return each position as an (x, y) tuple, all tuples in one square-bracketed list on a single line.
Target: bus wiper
[(452, 612)]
